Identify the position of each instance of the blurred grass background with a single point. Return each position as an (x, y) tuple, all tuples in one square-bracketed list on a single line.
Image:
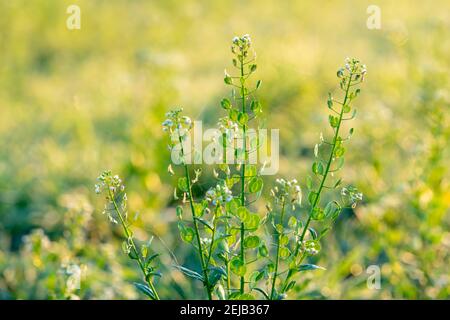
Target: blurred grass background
[(74, 102)]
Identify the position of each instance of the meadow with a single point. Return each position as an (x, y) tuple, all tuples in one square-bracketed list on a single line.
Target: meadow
[(77, 102)]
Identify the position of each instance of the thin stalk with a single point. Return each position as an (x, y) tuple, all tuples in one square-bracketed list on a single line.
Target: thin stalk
[(242, 253), (324, 177), (197, 233), (277, 261), (133, 245)]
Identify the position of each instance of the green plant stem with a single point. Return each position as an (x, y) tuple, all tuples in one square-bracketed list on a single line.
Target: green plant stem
[(197, 233), (324, 177), (133, 245), (242, 253), (277, 260)]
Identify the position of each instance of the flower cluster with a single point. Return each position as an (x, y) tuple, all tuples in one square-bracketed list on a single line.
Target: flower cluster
[(177, 125), (108, 181), (310, 247), (219, 195), (353, 70), (352, 194), (241, 46), (287, 190)]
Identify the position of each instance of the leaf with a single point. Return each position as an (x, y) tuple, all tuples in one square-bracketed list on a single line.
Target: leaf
[(307, 267), (339, 152), (258, 84), (318, 214), (190, 273), (263, 251), (242, 213), (255, 106), (309, 182), (255, 185), (179, 211), (250, 171), (252, 242), (284, 253), (262, 292), (312, 198), (145, 290), (313, 233), (337, 183), (187, 233), (233, 206), (290, 286), (227, 79), (334, 121), (183, 184), (332, 210), (225, 103), (238, 267), (204, 222), (244, 296), (215, 274), (253, 67), (252, 221), (151, 258), (346, 108), (292, 222), (243, 118), (233, 114), (317, 168), (330, 101)]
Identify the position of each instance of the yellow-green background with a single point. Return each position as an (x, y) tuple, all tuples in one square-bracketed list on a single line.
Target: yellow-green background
[(74, 102)]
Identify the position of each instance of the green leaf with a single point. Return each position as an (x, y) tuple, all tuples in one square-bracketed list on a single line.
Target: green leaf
[(243, 118), (284, 253), (227, 79), (255, 106), (307, 267), (258, 84), (262, 292), (313, 233), (309, 182), (179, 211), (242, 213), (334, 121), (238, 267), (312, 197), (255, 185), (233, 114), (317, 214), (330, 101), (346, 108), (292, 222), (145, 290), (252, 242), (252, 221), (339, 152), (250, 171), (263, 251), (332, 210), (190, 273), (183, 184), (187, 233), (253, 67), (215, 274), (244, 296), (317, 168), (290, 286), (233, 206), (226, 104), (204, 222)]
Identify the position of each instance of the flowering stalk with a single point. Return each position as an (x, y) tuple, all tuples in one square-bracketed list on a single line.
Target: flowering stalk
[(351, 75), (115, 193), (194, 218)]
